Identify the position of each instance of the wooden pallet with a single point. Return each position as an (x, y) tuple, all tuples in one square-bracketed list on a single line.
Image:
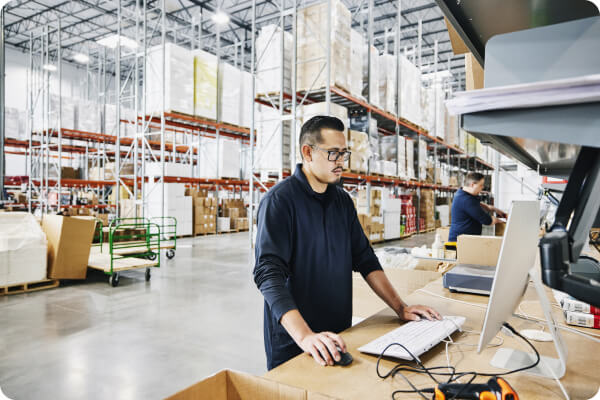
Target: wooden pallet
[(102, 263), (427, 230), (29, 287)]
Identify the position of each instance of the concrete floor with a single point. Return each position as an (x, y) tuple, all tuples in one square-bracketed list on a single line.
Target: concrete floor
[(200, 313)]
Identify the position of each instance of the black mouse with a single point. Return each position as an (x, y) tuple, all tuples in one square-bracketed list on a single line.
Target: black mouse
[(345, 358)]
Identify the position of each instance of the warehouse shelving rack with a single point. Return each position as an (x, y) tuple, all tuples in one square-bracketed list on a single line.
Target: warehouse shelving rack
[(388, 124), (149, 26)]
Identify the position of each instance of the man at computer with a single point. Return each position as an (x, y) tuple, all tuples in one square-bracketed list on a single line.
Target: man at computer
[(308, 243), (468, 212)]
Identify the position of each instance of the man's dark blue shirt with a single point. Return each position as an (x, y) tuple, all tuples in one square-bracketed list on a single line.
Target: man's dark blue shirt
[(307, 246), (467, 216)]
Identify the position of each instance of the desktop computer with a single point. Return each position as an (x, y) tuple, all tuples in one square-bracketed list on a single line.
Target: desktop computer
[(514, 269)]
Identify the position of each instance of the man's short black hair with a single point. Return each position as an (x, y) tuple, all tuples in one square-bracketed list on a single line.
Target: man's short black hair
[(311, 130), (473, 177)]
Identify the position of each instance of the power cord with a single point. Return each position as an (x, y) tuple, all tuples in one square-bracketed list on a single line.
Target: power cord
[(452, 374)]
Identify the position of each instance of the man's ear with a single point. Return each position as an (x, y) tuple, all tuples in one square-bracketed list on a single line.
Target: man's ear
[(306, 151)]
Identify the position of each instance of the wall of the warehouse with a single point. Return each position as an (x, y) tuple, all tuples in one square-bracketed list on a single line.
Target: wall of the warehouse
[(17, 64)]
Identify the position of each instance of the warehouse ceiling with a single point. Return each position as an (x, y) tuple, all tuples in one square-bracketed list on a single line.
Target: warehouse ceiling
[(83, 22)]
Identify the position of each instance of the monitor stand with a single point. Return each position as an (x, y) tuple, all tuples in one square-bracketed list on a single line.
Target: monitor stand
[(548, 367)]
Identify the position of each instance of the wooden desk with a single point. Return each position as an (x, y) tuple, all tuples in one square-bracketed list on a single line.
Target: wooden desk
[(360, 381)]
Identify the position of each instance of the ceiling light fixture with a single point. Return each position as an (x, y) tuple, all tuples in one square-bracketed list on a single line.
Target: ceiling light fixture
[(81, 58), (49, 67), (220, 18), (112, 41)]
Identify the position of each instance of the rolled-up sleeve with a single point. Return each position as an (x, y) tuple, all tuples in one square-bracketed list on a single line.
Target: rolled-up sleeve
[(364, 259), (273, 252)]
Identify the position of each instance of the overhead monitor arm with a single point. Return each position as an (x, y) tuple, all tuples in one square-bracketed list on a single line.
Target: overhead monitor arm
[(560, 248)]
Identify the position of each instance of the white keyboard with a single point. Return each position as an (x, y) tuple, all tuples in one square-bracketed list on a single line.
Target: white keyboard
[(416, 336)]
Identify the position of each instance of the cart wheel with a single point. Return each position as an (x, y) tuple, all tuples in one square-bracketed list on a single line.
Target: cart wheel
[(151, 257), (113, 280), (148, 274), (170, 254)]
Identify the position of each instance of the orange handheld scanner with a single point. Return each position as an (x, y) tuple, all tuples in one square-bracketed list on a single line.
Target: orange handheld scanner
[(494, 389)]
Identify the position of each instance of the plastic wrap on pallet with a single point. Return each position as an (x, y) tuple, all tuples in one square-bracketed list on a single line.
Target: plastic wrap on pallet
[(358, 50), (246, 100), (312, 46), (15, 123), (179, 80), (205, 84), (89, 116), (410, 158), (127, 129), (358, 143), (387, 82), (230, 93), (401, 157), (410, 91), (428, 109), (68, 113), (422, 159), (373, 87), (23, 249), (272, 148), (451, 129), (269, 59), (228, 153)]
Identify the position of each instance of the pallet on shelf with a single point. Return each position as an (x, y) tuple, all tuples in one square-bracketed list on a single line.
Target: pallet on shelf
[(29, 287)]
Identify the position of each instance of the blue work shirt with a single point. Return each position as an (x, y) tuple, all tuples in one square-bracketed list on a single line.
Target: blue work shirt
[(467, 216), (307, 246)]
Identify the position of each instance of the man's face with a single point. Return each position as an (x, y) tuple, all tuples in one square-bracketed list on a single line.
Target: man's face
[(477, 187), (324, 170)]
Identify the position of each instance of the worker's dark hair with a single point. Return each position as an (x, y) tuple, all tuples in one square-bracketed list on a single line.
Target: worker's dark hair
[(311, 130), (473, 177)]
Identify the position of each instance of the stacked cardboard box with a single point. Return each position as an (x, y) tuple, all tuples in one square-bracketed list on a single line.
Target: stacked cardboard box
[(205, 212), (426, 209), (312, 49), (374, 202), (205, 84), (179, 80), (374, 231), (269, 59), (236, 211), (358, 143)]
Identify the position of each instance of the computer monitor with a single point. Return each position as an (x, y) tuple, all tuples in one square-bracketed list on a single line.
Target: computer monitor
[(515, 261)]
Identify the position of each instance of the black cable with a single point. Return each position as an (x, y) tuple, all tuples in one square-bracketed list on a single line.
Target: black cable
[(453, 376)]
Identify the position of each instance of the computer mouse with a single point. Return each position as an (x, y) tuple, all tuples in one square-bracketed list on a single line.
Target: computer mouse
[(345, 358)]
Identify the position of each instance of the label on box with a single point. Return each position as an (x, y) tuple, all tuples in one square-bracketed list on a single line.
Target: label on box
[(582, 319), (570, 304)]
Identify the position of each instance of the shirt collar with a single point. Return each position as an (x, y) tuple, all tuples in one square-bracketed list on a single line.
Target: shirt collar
[(299, 175)]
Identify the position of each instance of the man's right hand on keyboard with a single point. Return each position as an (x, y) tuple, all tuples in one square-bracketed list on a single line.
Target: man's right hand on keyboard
[(416, 313)]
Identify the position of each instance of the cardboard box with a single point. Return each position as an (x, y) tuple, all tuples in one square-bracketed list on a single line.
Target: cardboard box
[(69, 243), (458, 45), (474, 73), (233, 385), (232, 213), (444, 233), (480, 250)]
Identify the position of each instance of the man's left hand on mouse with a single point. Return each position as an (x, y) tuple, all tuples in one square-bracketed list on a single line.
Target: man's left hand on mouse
[(417, 312)]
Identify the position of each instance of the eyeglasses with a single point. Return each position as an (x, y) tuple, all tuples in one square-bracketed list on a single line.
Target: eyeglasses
[(334, 155)]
